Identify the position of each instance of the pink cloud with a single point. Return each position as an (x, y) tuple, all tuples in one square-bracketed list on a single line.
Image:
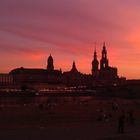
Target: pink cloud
[(30, 30)]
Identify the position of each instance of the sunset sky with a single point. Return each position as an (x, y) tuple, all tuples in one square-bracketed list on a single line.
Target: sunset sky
[(32, 29)]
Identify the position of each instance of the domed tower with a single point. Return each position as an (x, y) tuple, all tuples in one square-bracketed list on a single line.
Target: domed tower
[(95, 64), (104, 60), (50, 66)]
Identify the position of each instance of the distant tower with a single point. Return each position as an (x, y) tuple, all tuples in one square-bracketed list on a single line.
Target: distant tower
[(95, 64), (104, 60), (74, 69), (50, 66)]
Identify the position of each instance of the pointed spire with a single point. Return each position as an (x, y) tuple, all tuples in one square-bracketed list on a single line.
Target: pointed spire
[(95, 53), (104, 44), (74, 69), (95, 47), (73, 65), (95, 63)]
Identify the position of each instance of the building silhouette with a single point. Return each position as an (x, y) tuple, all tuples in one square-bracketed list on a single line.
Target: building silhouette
[(73, 77), (101, 74), (50, 66), (6, 79), (35, 75), (95, 65), (104, 60), (105, 73)]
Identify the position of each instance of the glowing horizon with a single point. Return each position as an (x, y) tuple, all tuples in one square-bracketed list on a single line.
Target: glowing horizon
[(30, 30)]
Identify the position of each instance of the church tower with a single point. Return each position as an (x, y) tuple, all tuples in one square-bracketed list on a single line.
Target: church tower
[(50, 66), (95, 64), (74, 69), (104, 60)]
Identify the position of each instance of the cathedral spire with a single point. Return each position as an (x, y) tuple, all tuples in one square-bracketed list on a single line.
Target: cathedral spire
[(104, 60), (95, 47), (104, 44), (95, 64), (95, 54)]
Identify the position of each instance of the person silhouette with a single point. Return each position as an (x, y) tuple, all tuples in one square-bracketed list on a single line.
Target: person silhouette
[(121, 122)]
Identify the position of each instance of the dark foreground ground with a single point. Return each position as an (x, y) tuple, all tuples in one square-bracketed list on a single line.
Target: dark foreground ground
[(73, 131), (67, 119)]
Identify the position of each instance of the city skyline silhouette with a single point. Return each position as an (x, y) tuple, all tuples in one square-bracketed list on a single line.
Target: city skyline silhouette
[(70, 69), (58, 66)]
